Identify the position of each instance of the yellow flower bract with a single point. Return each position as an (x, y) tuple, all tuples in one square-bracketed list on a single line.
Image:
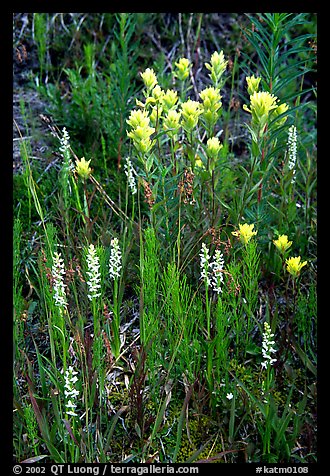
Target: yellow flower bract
[(282, 243), (82, 168), (149, 78), (213, 147), (141, 130), (253, 84), (182, 69), (190, 111), (261, 103), (245, 232), (294, 265)]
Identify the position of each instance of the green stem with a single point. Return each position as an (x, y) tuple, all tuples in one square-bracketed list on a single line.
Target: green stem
[(178, 241), (116, 321), (213, 198), (95, 318), (268, 422), (208, 311), (173, 156)]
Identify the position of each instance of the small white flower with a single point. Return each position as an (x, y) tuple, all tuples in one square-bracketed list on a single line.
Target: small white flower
[(58, 273), (267, 348), (205, 263), (115, 259), (292, 150), (65, 142), (229, 396), (217, 274), (70, 392), (129, 171), (65, 149), (212, 271), (93, 273)]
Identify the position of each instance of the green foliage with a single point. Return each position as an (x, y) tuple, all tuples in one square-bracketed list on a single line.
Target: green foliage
[(170, 353), (281, 52), (18, 300), (40, 32)]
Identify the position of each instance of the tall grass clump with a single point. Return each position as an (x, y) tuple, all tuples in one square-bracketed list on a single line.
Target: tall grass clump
[(172, 308)]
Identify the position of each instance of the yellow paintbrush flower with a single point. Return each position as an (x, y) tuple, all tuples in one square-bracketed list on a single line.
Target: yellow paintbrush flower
[(169, 100), (244, 233), (281, 109), (141, 130), (217, 67), (190, 111), (213, 147), (171, 122), (138, 118), (149, 78), (183, 67), (294, 265), (211, 104), (261, 105), (253, 84), (282, 243), (82, 168), (211, 98)]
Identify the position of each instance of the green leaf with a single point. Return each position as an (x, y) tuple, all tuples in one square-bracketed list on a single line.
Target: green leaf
[(113, 426), (138, 430), (45, 390), (35, 459), (255, 149), (304, 357), (149, 162), (232, 421), (253, 349), (180, 424)]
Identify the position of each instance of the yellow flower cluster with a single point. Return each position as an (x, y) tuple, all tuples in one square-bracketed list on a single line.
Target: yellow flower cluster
[(282, 243), (160, 104), (82, 168), (244, 233), (183, 67), (213, 147), (149, 78), (162, 108), (262, 105), (253, 84), (169, 100), (171, 122), (141, 130), (294, 264), (191, 110), (217, 67), (211, 104)]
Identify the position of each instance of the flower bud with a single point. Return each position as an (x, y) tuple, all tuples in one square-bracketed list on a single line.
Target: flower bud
[(253, 84), (295, 265), (191, 110), (149, 78), (82, 168), (282, 243), (172, 121), (169, 100), (213, 147), (281, 109), (183, 67), (217, 67), (244, 233)]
